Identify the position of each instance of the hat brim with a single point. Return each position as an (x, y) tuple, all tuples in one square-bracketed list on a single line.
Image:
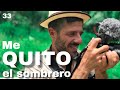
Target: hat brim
[(83, 16)]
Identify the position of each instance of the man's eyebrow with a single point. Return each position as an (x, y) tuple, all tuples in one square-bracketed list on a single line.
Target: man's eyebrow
[(81, 32)]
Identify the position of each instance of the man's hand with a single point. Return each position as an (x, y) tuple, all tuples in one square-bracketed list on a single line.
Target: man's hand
[(108, 60), (90, 59)]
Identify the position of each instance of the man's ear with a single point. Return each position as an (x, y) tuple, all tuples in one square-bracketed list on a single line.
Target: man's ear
[(52, 32)]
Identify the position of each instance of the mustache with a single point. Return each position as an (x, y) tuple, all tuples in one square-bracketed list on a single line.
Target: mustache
[(74, 44)]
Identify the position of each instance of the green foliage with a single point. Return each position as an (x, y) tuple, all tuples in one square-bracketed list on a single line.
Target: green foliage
[(114, 73), (86, 37)]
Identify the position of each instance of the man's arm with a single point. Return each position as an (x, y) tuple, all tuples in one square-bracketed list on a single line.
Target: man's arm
[(80, 74)]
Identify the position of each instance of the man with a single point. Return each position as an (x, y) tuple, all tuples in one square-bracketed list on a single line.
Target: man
[(65, 29)]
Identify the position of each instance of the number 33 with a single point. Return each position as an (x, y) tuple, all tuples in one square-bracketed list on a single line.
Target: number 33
[(6, 15)]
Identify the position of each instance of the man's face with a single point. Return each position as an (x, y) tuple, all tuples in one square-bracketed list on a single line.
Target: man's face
[(69, 38)]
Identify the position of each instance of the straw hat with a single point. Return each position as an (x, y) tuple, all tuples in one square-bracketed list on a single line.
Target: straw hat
[(53, 15)]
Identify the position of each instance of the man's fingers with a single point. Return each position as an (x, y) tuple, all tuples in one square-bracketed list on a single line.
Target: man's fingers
[(104, 61), (94, 42), (102, 49), (115, 55), (112, 58), (90, 41)]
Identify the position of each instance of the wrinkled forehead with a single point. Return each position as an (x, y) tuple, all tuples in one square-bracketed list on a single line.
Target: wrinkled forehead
[(74, 26)]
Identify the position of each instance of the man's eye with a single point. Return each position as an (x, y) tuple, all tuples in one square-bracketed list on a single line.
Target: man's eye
[(74, 34), (71, 34)]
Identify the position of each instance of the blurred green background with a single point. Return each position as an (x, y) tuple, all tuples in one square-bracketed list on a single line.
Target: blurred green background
[(23, 27)]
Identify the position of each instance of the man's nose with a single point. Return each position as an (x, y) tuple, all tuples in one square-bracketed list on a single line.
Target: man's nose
[(78, 39)]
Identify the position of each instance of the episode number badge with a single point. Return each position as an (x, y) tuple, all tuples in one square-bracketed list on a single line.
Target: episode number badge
[(6, 15)]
